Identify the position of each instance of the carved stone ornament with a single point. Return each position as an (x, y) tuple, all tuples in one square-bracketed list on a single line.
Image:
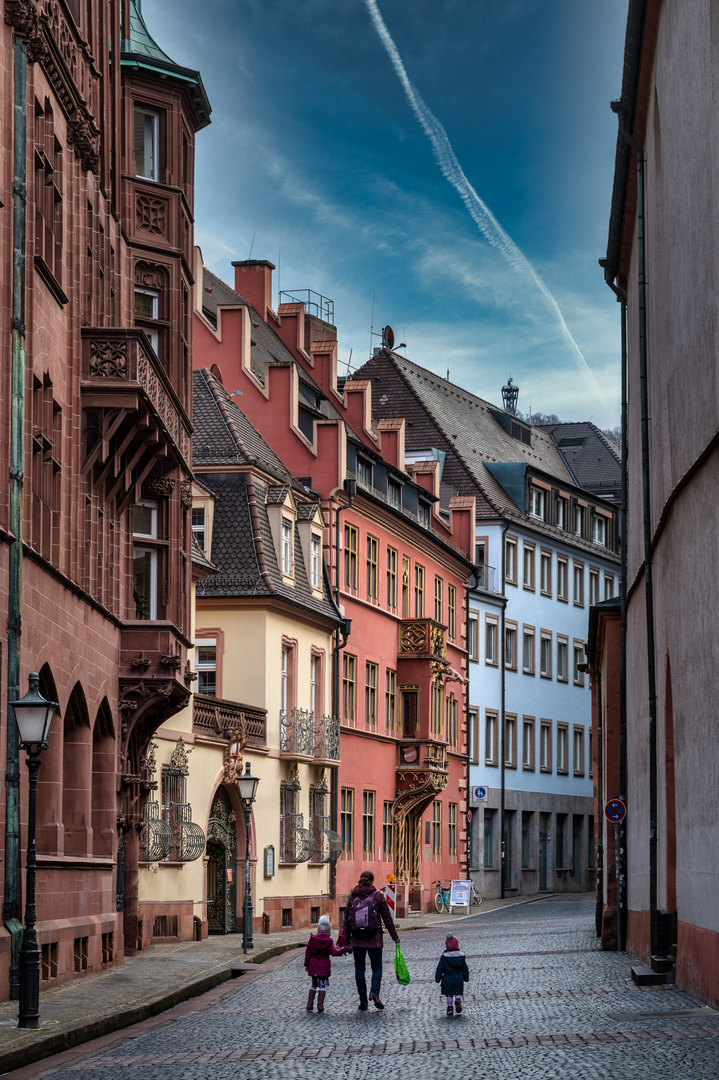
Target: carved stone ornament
[(150, 760), (190, 675), (160, 485), (150, 215), (141, 662), (86, 141), (186, 494), (321, 784), (293, 779), (25, 19), (108, 359), (151, 275), (179, 759), (174, 662), (236, 741)]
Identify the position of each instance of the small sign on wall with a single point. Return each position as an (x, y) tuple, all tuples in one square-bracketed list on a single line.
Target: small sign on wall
[(229, 877), (269, 861)]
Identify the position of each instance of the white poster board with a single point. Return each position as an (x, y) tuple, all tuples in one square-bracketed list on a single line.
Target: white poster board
[(459, 894)]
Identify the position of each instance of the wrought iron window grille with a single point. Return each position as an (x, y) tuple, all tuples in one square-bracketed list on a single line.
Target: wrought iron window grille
[(296, 840), (297, 732), (168, 832)]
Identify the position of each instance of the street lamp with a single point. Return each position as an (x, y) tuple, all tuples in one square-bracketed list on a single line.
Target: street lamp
[(247, 786), (33, 715)]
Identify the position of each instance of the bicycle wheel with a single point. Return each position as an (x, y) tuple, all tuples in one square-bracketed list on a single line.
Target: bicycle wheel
[(439, 902)]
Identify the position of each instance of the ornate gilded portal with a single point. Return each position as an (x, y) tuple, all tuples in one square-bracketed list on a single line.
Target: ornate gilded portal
[(221, 866)]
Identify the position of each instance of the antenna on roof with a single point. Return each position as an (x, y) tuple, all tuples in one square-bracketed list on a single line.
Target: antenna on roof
[(251, 246), (279, 271), (349, 361), (447, 374)]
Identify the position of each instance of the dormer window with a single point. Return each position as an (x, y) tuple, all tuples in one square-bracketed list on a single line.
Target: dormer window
[(364, 470), (579, 520), (198, 527), (536, 503), (394, 492), (423, 512), (146, 138), (562, 513), (599, 529), (286, 546), (315, 560)]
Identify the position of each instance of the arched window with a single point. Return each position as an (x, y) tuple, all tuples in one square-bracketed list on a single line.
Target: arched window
[(49, 778)]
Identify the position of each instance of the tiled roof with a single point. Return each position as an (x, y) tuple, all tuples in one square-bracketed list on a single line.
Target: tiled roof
[(236, 551), (199, 558), (307, 511), (276, 494), (442, 415), (223, 435), (593, 459)]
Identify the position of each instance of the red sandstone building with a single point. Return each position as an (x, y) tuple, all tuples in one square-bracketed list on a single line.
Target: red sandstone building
[(95, 464), (397, 556)]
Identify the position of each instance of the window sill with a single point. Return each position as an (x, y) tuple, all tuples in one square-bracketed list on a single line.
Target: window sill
[(50, 280)]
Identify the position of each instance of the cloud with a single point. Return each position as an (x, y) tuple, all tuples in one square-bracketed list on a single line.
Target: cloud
[(482, 216)]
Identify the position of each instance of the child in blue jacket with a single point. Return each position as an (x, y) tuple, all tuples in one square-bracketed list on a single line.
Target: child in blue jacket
[(452, 973)]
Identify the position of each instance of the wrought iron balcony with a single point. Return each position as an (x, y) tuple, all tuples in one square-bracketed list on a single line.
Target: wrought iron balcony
[(297, 733), (327, 739), (172, 837), (216, 716), (326, 843), (296, 841)]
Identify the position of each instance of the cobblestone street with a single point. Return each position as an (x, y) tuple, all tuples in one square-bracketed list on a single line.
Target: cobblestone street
[(542, 1002)]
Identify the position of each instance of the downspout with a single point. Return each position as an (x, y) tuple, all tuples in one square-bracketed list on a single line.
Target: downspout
[(14, 624), (621, 884), (647, 524), (599, 899), (502, 722), (468, 764)]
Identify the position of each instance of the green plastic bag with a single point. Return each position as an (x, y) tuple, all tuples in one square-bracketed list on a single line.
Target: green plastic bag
[(400, 967)]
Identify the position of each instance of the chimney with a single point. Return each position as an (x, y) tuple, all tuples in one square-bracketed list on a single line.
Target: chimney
[(253, 282)]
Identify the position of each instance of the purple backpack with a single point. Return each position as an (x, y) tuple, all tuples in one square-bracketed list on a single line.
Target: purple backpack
[(363, 918)]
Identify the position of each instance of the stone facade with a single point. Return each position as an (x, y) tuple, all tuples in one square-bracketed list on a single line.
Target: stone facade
[(94, 535)]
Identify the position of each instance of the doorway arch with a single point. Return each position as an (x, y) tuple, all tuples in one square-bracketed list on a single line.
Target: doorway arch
[(221, 866)]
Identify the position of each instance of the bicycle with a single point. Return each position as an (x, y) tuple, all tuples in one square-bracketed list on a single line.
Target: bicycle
[(441, 899), (475, 900)]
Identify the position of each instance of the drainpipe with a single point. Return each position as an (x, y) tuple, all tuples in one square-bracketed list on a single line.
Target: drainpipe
[(502, 724), (12, 772), (647, 522), (599, 903), (341, 635), (621, 884)]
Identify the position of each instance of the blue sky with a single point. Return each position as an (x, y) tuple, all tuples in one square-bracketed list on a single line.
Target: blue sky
[(316, 151)]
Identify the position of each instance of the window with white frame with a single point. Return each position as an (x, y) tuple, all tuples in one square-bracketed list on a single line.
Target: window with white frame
[(528, 567), (147, 310), (599, 529), (510, 646), (562, 579), (474, 736), (198, 527), (578, 750), (562, 748), (315, 561), (545, 746), (491, 738), (314, 680), (578, 661), (146, 139), (528, 650), (536, 502), (545, 654), (286, 546), (510, 741), (491, 638), (578, 584), (562, 658), (593, 586), (473, 637), (285, 679), (608, 586), (424, 512), (579, 519), (206, 666), (528, 743), (562, 513), (510, 560), (545, 573), (145, 560)]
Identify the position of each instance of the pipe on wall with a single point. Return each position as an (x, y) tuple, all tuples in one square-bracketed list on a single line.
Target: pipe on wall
[(14, 619)]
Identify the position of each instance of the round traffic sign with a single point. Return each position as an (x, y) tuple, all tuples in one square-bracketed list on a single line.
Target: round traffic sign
[(469, 816), (615, 810)]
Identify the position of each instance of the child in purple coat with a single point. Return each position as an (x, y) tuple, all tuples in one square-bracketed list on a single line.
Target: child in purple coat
[(318, 965)]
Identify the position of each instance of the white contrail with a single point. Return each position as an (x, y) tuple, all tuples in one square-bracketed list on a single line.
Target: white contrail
[(452, 171)]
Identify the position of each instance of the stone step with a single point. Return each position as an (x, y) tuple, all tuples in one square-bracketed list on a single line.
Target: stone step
[(644, 975)]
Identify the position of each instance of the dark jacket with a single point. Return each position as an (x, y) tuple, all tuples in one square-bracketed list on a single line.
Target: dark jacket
[(319, 949), (370, 941), (452, 972)]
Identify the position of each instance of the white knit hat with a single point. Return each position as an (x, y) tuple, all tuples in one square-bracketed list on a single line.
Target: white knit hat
[(324, 923)]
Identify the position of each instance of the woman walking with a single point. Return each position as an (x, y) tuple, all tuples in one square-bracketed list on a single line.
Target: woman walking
[(366, 911)]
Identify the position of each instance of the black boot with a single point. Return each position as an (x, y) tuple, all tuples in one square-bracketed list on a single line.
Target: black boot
[(310, 1001), (321, 1001)]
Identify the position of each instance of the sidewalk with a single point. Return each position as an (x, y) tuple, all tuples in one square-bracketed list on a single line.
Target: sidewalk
[(156, 980)]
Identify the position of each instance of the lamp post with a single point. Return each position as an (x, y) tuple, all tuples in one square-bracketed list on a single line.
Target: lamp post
[(247, 786), (33, 715)]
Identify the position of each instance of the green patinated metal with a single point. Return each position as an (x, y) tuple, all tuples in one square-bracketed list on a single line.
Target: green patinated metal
[(14, 625)]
